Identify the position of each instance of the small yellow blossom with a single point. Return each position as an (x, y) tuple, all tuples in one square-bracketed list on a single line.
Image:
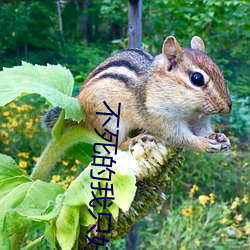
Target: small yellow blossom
[(29, 124), (6, 113), (14, 123), (183, 248), (65, 163), (223, 220), (77, 162), (238, 218), (28, 241), (4, 134), (238, 233), (223, 235), (211, 195), (73, 168), (234, 152), (70, 178), (35, 159), (23, 164), (197, 242), (193, 190), (55, 178), (245, 199), (203, 199), (24, 154), (187, 211), (224, 164), (235, 203), (12, 105), (65, 185), (247, 227)]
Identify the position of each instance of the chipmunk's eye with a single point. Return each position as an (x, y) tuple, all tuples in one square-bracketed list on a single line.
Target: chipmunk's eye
[(197, 79)]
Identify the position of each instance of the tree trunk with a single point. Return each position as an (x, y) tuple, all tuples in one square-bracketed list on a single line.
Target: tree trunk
[(59, 16), (85, 23), (135, 23)]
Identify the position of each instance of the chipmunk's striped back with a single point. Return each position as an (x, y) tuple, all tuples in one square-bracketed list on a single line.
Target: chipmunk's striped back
[(124, 66)]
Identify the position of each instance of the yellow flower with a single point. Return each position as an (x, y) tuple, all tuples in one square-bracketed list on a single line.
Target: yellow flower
[(224, 164), (6, 113), (187, 211), (234, 152), (14, 123), (238, 218), (238, 233), (70, 178), (203, 199), (223, 220), (29, 124), (65, 163), (197, 242), (23, 164), (55, 178), (183, 248), (24, 154), (73, 168), (211, 195), (4, 134), (35, 159), (193, 190), (223, 235), (235, 203), (245, 199), (247, 227), (77, 162)]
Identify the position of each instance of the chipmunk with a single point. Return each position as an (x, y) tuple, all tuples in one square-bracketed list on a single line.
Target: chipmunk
[(170, 96)]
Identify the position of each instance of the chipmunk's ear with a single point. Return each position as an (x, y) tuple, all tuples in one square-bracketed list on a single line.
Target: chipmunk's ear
[(171, 49), (197, 43)]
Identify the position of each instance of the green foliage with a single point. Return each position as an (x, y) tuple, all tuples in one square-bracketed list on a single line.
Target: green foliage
[(201, 223), (52, 82)]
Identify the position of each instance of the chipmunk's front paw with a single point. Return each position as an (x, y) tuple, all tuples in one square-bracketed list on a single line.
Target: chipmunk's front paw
[(218, 142), (141, 139)]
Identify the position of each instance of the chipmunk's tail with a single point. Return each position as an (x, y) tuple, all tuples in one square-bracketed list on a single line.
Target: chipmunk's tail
[(50, 117)]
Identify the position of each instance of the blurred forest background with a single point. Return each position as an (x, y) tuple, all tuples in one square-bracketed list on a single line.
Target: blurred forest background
[(208, 204)]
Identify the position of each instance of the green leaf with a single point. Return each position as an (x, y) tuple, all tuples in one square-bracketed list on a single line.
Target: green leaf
[(39, 194), (124, 189), (67, 226), (53, 82), (86, 218), (9, 168), (79, 191), (81, 151), (9, 184), (114, 210)]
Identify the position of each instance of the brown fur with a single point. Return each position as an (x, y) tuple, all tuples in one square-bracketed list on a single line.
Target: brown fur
[(156, 94)]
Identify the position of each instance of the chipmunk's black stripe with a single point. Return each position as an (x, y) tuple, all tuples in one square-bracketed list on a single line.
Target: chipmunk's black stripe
[(142, 53), (118, 77), (118, 63)]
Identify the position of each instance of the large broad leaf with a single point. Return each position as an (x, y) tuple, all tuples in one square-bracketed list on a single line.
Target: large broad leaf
[(21, 197), (53, 82), (67, 226)]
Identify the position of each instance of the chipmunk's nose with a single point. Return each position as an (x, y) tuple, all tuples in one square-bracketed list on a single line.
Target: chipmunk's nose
[(227, 108)]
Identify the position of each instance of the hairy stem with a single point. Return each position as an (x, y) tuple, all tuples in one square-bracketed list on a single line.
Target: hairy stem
[(57, 146)]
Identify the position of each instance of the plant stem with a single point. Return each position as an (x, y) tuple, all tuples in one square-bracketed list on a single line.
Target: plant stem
[(57, 146)]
